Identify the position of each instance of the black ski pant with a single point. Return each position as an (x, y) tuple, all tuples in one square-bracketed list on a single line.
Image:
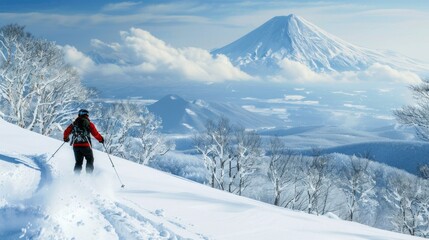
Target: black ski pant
[(79, 154)]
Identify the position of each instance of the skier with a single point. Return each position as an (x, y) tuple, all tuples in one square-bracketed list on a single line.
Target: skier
[(81, 129)]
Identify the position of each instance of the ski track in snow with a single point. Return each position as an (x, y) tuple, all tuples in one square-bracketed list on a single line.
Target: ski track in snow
[(129, 224), (164, 225), (70, 208)]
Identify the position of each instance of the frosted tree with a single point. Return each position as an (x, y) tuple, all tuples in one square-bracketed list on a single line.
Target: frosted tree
[(358, 185), (14, 75), (281, 171), (215, 146), (230, 154), (417, 115), (424, 171), (316, 181), (148, 143), (116, 121), (132, 132), (247, 149), (411, 200), (37, 88), (423, 205), (58, 96)]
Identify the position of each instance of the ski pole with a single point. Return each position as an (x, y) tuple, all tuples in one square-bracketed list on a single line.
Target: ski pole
[(122, 185), (55, 152)]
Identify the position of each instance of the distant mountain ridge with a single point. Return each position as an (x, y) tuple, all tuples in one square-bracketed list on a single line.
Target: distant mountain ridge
[(294, 38), (181, 116)]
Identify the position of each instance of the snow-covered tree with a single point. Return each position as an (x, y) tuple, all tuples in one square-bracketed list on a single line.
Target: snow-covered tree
[(230, 154), (357, 184), (281, 171), (215, 146), (148, 142), (247, 149), (115, 123), (424, 171), (37, 88), (132, 132), (411, 200), (316, 181), (417, 115)]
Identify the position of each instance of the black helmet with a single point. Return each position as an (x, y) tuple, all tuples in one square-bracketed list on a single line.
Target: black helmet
[(83, 112)]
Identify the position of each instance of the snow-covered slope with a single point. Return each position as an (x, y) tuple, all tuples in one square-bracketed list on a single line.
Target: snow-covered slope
[(45, 200), (181, 116), (292, 37)]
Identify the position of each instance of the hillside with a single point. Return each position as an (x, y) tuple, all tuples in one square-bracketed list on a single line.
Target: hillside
[(399, 154), (393, 147), (181, 116), (40, 200)]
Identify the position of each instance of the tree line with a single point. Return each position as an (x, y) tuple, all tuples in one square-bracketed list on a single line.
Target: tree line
[(354, 188)]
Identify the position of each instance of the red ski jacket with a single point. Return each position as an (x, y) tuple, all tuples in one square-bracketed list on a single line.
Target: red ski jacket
[(93, 131)]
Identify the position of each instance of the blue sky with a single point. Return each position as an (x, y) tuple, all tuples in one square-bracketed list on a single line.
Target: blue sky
[(395, 25)]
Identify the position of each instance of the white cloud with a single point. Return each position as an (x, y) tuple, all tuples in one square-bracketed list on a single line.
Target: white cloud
[(140, 55), (147, 54), (120, 6), (80, 61), (379, 72), (293, 71), (296, 72)]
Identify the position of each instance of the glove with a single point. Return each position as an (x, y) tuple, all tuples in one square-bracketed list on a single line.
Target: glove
[(66, 139), (102, 140)]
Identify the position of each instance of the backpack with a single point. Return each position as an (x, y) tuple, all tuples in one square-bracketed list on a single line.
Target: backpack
[(80, 131)]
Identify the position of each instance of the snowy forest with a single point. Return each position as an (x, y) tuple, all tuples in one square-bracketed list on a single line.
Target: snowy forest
[(40, 92)]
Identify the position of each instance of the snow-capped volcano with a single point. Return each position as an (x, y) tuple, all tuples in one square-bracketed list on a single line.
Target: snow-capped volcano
[(292, 37)]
